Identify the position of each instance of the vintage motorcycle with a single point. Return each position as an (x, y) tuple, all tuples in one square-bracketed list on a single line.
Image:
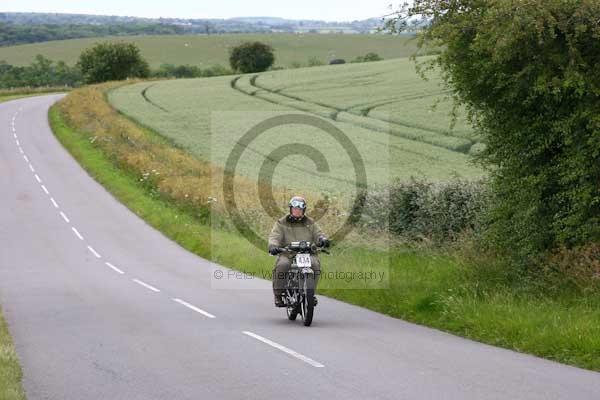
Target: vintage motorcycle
[(299, 293)]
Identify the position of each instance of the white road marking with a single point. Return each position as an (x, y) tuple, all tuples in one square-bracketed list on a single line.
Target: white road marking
[(94, 252), (25, 158), (15, 135), (37, 178), (53, 202), (45, 190), (146, 285), (18, 143), (191, 307), (285, 349), (62, 214), (113, 267), (31, 167), (77, 233), (21, 150)]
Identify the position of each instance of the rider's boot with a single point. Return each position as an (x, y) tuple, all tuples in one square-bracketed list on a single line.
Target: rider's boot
[(315, 297), (278, 299)]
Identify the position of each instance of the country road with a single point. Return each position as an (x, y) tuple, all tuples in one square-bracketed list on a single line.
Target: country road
[(102, 306)]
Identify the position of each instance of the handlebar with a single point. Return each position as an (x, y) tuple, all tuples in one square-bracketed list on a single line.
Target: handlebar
[(314, 250), (302, 247)]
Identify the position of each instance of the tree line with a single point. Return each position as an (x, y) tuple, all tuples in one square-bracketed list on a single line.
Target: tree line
[(13, 34), (109, 61)]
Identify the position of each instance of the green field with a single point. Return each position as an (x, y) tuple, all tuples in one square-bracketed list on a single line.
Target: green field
[(205, 50), (207, 116)]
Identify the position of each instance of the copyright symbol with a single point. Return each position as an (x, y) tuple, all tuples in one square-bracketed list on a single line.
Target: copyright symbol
[(218, 274), (266, 195)]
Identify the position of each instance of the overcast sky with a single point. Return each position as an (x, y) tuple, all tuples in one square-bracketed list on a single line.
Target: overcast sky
[(329, 10)]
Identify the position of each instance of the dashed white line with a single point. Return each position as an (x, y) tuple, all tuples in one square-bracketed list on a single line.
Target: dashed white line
[(15, 135), (31, 167), (191, 307), (114, 268), (146, 285), (77, 233), (285, 349), (18, 143), (53, 202), (45, 190), (25, 158), (62, 214), (37, 178), (94, 252), (21, 150)]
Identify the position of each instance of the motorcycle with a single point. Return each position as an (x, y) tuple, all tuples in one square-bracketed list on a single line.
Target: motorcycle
[(299, 293)]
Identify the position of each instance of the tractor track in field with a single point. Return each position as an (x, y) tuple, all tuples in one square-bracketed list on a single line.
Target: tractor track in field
[(148, 100), (364, 112), (233, 84), (335, 111)]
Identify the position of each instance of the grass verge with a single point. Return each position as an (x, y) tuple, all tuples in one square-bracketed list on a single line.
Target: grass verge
[(423, 287), (10, 371)]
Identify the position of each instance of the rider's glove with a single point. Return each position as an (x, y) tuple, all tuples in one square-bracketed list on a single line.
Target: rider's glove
[(323, 242), (274, 250)]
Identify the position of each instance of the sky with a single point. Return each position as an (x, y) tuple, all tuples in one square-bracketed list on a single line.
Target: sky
[(328, 10)]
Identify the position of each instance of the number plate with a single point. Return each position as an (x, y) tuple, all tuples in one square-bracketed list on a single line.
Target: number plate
[(303, 260)]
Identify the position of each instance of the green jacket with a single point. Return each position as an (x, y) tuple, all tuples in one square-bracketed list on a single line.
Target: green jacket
[(286, 231)]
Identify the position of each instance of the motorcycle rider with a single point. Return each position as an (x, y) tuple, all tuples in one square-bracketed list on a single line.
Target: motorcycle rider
[(293, 227)]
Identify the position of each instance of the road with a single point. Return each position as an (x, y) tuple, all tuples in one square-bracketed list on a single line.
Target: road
[(102, 306)]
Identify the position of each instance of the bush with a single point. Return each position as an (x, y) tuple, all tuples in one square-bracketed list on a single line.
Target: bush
[(577, 268), (180, 71), (314, 62), (216, 70), (337, 61), (188, 71), (112, 62), (251, 57), (418, 210), (369, 57)]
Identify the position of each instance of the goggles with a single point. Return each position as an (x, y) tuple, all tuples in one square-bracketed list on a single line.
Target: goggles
[(298, 204)]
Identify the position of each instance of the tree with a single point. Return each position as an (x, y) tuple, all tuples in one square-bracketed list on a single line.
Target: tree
[(528, 73), (369, 57), (41, 72), (112, 62), (251, 57)]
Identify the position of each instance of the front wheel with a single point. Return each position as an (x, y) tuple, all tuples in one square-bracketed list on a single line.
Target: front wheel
[(308, 299)]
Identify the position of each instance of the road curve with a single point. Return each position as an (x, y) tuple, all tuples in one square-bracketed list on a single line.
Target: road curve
[(102, 306)]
